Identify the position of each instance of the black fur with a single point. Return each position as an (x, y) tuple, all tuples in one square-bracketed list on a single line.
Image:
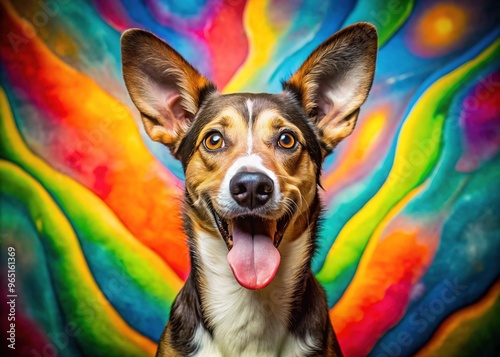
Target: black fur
[(304, 102), (185, 317)]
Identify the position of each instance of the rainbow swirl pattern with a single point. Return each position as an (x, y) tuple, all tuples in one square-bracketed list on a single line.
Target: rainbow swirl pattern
[(410, 246)]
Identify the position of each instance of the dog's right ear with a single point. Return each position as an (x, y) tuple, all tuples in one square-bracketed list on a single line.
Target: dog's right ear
[(165, 88), (335, 80)]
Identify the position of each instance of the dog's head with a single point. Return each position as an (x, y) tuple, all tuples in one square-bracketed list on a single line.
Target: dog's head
[(252, 161)]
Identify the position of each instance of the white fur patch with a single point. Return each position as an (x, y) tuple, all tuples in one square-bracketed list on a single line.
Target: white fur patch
[(250, 129), (205, 346), (245, 322), (299, 347)]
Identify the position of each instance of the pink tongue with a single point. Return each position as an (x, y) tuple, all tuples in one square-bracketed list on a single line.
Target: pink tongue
[(253, 260)]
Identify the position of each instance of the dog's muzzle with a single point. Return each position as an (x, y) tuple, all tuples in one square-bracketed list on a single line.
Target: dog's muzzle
[(251, 237)]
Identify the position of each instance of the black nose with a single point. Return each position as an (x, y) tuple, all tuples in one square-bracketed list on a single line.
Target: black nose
[(251, 189)]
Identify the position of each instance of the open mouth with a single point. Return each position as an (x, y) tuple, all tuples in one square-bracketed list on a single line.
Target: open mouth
[(252, 242)]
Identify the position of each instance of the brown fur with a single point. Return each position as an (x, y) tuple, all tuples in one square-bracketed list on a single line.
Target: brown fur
[(319, 106)]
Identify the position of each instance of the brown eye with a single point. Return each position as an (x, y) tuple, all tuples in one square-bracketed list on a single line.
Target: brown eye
[(214, 141), (287, 141)]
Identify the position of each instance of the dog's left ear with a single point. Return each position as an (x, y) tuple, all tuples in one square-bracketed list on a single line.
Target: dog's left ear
[(165, 88), (335, 80)]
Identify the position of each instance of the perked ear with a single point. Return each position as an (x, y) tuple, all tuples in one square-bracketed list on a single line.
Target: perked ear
[(165, 88), (335, 80)]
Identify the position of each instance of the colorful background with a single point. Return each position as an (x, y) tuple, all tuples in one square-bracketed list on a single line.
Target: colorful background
[(410, 246)]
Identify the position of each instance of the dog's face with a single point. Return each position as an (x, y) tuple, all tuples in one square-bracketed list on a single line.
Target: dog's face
[(251, 161)]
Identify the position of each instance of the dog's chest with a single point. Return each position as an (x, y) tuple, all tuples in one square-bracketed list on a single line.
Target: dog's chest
[(246, 322), (247, 331), (290, 347)]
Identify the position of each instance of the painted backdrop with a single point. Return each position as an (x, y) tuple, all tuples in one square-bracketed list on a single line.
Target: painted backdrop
[(409, 252)]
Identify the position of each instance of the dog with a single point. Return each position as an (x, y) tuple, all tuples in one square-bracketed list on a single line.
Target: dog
[(252, 164)]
